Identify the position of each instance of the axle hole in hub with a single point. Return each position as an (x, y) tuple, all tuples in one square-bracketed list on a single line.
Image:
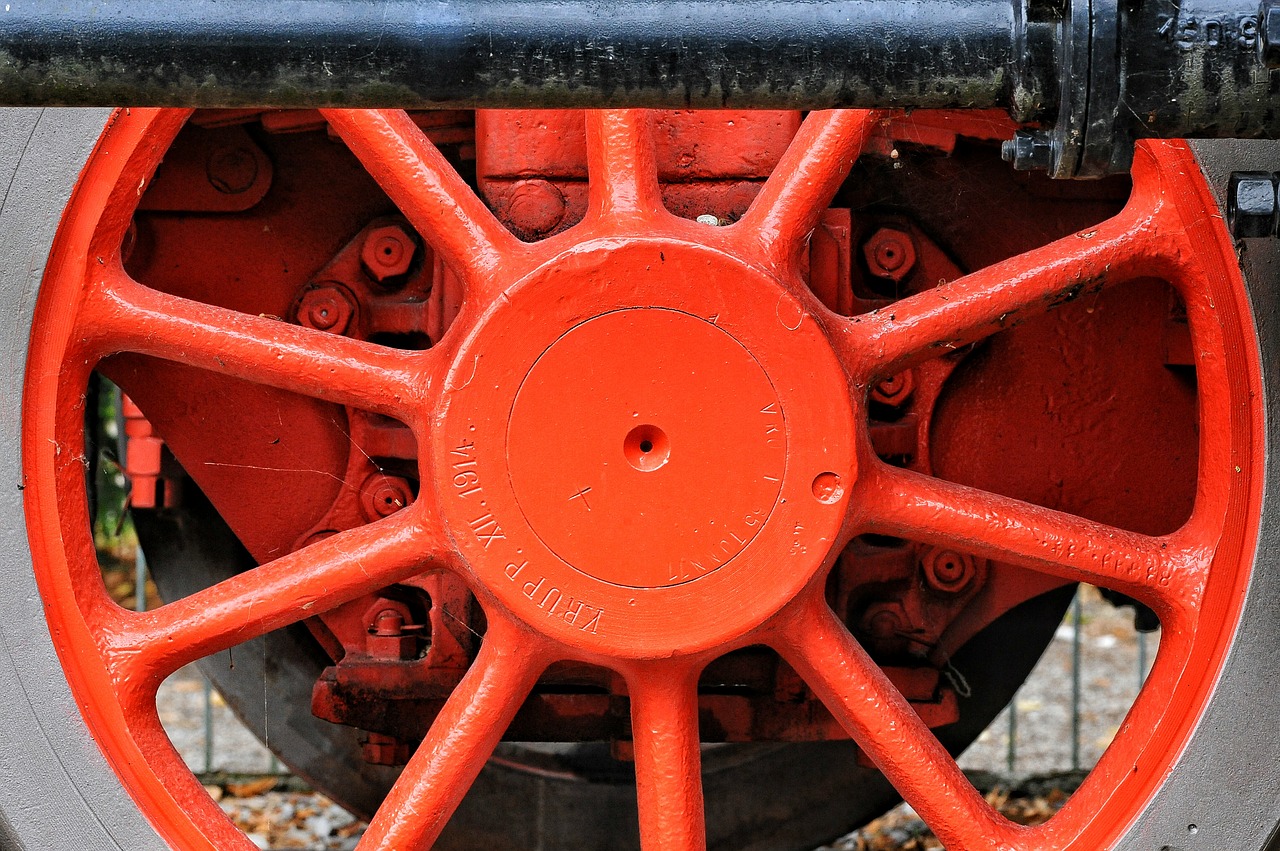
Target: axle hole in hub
[(646, 448)]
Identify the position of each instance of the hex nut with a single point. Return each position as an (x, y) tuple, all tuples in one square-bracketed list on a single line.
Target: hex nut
[(894, 390), (387, 252), (382, 495), (1251, 204), (378, 749), (948, 571), (1028, 150), (327, 308), (890, 253)]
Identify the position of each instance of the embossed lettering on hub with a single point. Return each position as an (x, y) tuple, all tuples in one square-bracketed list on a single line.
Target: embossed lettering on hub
[(466, 479), (488, 531), (553, 601), (726, 548), (772, 426)]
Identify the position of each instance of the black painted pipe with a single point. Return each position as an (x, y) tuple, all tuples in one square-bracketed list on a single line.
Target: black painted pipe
[(698, 53), (1092, 74)]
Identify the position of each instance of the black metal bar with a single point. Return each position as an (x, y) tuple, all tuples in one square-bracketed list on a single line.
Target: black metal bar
[(701, 53), (1092, 75)]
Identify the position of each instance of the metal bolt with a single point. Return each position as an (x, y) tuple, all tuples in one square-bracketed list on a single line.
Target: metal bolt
[(328, 308), (383, 495), (947, 570), (387, 252), (1029, 149), (890, 253), (884, 625), (537, 206), (1251, 203), (392, 633), (232, 171), (895, 389), (389, 624), (709, 219), (884, 621)]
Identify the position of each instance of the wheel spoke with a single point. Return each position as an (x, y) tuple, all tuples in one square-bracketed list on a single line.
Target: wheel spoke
[(303, 583), (461, 738), (121, 315), (955, 314), (884, 725), (803, 183), (1166, 573), (664, 728), (621, 165), (433, 196)]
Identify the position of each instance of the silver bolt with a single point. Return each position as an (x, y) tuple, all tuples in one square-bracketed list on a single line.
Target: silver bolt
[(708, 219)]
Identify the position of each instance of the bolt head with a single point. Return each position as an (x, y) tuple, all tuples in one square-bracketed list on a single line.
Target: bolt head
[(890, 253), (387, 252), (326, 309), (884, 621), (949, 571), (895, 389), (389, 623), (232, 171), (382, 495), (537, 207), (884, 625), (1252, 208)]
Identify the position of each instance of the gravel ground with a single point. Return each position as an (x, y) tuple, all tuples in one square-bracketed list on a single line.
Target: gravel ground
[(1109, 682), (274, 816)]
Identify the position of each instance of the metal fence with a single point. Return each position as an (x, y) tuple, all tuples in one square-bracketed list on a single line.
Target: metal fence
[(1079, 705)]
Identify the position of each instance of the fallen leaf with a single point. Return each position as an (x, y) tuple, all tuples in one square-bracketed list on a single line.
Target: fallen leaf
[(249, 788)]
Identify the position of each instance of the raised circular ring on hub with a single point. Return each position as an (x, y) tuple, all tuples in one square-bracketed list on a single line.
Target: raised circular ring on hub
[(604, 486)]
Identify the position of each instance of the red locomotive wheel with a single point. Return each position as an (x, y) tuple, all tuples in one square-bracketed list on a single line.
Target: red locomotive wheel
[(576, 479)]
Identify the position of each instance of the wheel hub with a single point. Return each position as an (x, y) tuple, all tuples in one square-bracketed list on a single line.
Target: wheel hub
[(632, 445), (650, 436)]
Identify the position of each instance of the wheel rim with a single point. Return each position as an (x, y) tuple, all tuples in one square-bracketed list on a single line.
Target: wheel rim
[(665, 628)]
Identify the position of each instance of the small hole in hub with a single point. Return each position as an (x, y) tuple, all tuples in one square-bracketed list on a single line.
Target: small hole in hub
[(646, 448), (827, 488)]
